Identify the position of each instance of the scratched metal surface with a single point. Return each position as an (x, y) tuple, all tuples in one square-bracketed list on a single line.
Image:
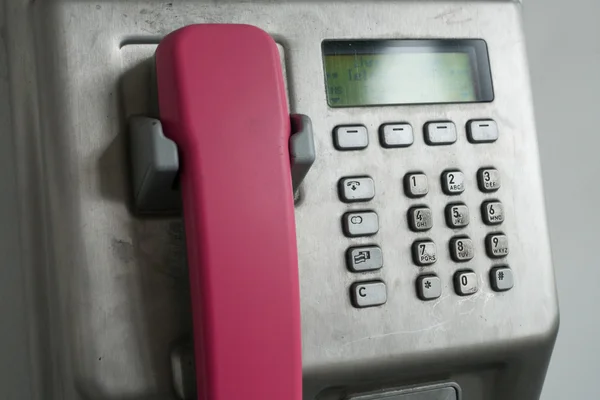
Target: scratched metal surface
[(109, 291)]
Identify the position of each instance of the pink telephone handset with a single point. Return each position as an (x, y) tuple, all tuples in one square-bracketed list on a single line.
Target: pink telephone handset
[(222, 100)]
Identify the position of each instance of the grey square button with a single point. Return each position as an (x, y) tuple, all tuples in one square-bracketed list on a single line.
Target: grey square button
[(482, 131), (457, 215), (429, 287), (353, 137), (453, 182), (461, 249), (437, 133), (465, 283), (356, 188), (415, 185), (501, 279), (365, 223), (496, 245), (396, 135), (368, 294), (420, 219), (488, 180), (492, 212), (424, 252), (364, 258)]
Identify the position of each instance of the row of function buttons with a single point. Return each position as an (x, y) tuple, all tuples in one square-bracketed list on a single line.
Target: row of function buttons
[(355, 137), (420, 218), (424, 252), (362, 188), (429, 287)]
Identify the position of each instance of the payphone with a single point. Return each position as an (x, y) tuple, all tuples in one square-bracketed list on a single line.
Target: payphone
[(358, 181)]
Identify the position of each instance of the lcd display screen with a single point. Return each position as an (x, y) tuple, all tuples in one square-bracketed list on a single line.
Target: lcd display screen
[(387, 72)]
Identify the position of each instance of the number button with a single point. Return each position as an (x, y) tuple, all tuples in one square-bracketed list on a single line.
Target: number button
[(462, 249), (429, 287), (457, 215), (465, 283), (420, 219), (424, 252), (415, 185), (492, 212), (364, 223), (453, 182), (488, 180), (356, 188), (496, 245)]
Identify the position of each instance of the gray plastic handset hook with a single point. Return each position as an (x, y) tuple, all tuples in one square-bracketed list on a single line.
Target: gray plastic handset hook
[(155, 163), (302, 148)]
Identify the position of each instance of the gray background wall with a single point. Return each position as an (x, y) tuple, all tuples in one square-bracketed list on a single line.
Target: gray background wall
[(563, 41)]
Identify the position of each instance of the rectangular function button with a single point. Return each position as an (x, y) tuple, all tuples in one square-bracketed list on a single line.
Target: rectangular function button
[(482, 131), (492, 212), (457, 215), (501, 279), (424, 252), (364, 223), (465, 283), (453, 182), (396, 135), (461, 249), (364, 258), (350, 137), (420, 218), (437, 133), (429, 287), (368, 294), (488, 180), (415, 185), (496, 245), (356, 188)]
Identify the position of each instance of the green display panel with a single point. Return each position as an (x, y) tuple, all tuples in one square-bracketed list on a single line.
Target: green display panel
[(369, 73)]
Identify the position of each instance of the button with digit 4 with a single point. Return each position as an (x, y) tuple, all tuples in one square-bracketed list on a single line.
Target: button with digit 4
[(424, 252), (457, 215), (453, 182), (465, 283), (488, 180), (415, 184), (420, 218), (492, 212), (461, 249)]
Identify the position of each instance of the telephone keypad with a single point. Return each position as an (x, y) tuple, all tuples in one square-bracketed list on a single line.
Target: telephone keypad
[(461, 249), (364, 223), (415, 185), (353, 137), (457, 215), (420, 218), (501, 279), (424, 252), (488, 180), (364, 258), (492, 212), (368, 294), (496, 245), (353, 189), (396, 135), (439, 133), (465, 283), (429, 287), (453, 182)]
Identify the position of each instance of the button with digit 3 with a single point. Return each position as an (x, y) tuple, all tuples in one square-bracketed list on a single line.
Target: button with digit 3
[(488, 180)]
